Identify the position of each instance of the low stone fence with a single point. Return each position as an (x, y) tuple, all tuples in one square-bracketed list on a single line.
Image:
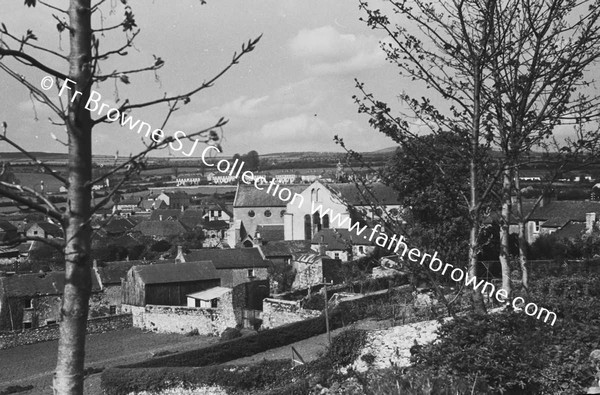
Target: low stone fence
[(50, 332), (278, 312), (181, 319)]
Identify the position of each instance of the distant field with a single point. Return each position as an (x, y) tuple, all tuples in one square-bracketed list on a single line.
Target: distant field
[(32, 180)]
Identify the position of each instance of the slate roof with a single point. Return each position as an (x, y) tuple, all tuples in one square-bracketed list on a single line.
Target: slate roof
[(118, 225), (339, 239), (571, 230), (111, 272), (249, 196), (271, 232), (354, 195), (192, 218), (167, 214), (29, 285), (235, 258), (6, 226), (563, 211), (284, 248), (215, 225), (160, 228), (176, 272)]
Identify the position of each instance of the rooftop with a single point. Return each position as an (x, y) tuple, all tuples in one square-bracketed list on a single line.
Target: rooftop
[(235, 258), (176, 272), (42, 284), (249, 196)]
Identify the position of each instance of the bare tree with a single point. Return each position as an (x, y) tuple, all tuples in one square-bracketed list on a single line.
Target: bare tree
[(81, 72), (448, 53), (539, 84)]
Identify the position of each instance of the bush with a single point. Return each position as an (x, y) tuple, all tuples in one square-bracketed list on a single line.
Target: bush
[(423, 382), (230, 333), (518, 354), (346, 347)]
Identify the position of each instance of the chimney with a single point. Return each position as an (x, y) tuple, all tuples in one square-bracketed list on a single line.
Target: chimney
[(546, 198), (179, 258), (590, 221), (160, 217), (322, 245), (95, 264)]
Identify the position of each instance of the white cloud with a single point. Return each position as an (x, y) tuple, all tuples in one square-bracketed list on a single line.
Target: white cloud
[(324, 50)]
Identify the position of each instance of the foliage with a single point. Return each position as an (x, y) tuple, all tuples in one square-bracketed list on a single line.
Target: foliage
[(251, 160), (284, 274), (523, 355), (346, 347), (549, 246), (423, 382), (230, 333)]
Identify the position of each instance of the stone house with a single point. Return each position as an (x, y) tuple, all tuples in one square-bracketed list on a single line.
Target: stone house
[(284, 250), (566, 218), (33, 300), (45, 230), (175, 199), (312, 269), (341, 244)]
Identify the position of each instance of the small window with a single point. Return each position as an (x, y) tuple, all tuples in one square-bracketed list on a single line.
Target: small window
[(29, 304), (112, 309), (213, 303), (35, 232), (251, 213), (27, 325), (282, 213), (251, 273), (267, 213), (361, 249), (336, 255), (50, 322)]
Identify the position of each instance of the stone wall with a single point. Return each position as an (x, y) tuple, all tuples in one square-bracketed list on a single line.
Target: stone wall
[(183, 319), (277, 312), (50, 332)]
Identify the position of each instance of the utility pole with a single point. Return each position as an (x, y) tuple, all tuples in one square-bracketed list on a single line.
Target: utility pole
[(325, 284)]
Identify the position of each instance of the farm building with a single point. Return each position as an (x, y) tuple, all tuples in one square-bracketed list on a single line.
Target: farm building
[(168, 283), (33, 300), (234, 266)]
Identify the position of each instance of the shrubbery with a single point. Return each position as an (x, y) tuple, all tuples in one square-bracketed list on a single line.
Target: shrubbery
[(518, 354)]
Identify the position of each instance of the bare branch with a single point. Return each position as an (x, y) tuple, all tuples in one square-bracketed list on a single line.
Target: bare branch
[(154, 146), (32, 62), (29, 203), (53, 7), (246, 48), (59, 244), (51, 171)]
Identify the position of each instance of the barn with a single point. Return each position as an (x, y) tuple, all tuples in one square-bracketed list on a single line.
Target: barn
[(168, 283)]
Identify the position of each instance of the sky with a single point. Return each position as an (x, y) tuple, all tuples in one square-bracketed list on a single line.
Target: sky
[(293, 93)]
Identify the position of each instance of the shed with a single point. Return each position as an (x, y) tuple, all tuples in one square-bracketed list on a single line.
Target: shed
[(168, 283), (208, 298)]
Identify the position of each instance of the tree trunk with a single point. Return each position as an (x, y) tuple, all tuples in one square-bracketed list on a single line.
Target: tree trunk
[(68, 377), (476, 296), (504, 230), (522, 236), (475, 203)]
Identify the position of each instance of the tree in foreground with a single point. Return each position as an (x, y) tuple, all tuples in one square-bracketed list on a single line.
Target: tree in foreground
[(81, 71)]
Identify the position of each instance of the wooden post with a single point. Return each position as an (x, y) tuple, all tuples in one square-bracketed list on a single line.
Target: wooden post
[(327, 313)]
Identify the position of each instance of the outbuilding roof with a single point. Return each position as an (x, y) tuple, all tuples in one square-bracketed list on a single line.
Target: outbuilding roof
[(42, 284), (176, 272), (234, 258), (210, 294)]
